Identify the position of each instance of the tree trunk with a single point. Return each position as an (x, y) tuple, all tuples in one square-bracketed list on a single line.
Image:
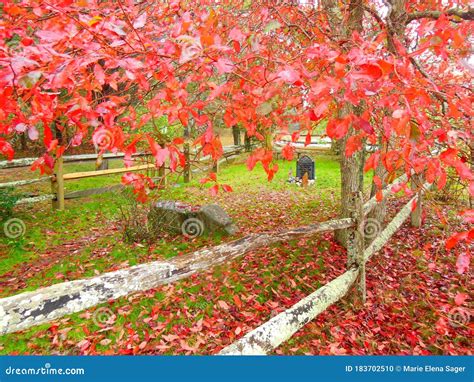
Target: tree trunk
[(397, 23), (416, 214), (23, 142), (350, 166), (350, 184), (380, 209), (471, 148), (187, 166), (248, 143)]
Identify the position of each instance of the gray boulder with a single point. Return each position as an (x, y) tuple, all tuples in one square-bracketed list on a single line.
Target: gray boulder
[(215, 219), (192, 221)]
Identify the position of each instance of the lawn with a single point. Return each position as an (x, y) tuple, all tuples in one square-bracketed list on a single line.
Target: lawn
[(207, 311), (85, 238)]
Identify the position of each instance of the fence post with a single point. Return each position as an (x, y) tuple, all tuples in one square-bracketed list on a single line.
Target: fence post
[(248, 143), (215, 166), (355, 241), (162, 175), (187, 166), (236, 135), (57, 185), (415, 217)]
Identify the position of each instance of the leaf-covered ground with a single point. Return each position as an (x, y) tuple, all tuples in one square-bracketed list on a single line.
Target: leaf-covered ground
[(413, 304)]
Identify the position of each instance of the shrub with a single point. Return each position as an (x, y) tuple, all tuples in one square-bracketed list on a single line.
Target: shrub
[(133, 218), (8, 200)]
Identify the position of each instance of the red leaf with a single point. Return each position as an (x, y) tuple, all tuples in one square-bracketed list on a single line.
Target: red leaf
[(227, 188), (183, 117), (229, 119), (364, 125), (237, 35), (368, 72), (377, 181), (460, 298), (463, 171), (99, 74), (468, 216), (288, 152), (337, 128), (454, 239), (140, 21), (159, 153), (462, 263), (442, 180), (372, 162), (224, 65), (214, 190), (353, 144), (289, 75), (6, 149), (223, 305), (313, 117), (238, 301)]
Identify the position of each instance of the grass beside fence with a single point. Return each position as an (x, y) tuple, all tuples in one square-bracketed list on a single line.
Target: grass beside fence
[(48, 231)]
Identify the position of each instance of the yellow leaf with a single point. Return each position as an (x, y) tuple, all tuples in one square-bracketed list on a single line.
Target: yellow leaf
[(94, 20)]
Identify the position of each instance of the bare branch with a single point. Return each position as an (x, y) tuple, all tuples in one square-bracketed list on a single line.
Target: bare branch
[(465, 15)]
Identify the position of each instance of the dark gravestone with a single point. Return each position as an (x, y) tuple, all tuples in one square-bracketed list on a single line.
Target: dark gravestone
[(305, 165)]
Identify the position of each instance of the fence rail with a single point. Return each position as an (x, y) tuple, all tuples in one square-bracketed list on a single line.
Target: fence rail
[(90, 174), (25, 182), (280, 328), (26, 162), (46, 304), (33, 308), (58, 178)]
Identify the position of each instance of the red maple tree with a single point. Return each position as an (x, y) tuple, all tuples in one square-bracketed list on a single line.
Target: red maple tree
[(395, 74)]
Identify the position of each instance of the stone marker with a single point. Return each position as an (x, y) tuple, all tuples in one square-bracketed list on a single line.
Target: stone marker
[(191, 221), (215, 219)]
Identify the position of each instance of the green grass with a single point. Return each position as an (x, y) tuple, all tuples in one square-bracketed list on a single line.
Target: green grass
[(266, 277), (192, 300), (47, 229), (238, 176)]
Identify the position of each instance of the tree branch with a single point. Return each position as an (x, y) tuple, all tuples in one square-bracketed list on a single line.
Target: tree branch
[(465, 15)]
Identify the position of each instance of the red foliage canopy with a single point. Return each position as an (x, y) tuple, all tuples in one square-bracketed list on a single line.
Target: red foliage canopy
[(107, 70)]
